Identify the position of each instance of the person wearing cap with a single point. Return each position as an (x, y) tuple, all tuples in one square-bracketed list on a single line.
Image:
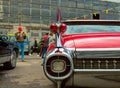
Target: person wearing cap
[(20, 37)]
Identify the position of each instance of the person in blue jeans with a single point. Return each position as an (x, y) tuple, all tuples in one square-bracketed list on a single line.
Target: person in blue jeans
[(20, 37), (21, 48), (45, 45), (44, 51)]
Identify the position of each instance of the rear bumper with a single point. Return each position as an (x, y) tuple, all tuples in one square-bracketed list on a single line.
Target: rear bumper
[(98, 78)]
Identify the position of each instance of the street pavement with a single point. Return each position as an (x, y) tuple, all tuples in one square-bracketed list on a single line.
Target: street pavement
[(28, 74)]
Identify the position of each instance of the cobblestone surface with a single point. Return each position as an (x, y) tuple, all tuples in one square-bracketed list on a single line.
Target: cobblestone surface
[(27, 74)]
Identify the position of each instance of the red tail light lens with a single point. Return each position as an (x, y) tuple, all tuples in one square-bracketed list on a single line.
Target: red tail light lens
[(53, 28), (63, 28)]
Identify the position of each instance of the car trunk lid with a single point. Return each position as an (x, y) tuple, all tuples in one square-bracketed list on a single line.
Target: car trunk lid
[(92, 40)]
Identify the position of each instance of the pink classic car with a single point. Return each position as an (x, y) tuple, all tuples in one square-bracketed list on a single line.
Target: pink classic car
[(86, 54)]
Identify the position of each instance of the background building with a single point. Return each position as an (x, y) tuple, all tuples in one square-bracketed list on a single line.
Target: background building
[(36, 15)]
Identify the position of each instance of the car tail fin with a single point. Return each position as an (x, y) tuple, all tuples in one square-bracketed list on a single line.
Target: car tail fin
[(58, 15)]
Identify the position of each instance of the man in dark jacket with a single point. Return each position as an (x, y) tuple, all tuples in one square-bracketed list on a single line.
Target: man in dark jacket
[(34, 48)]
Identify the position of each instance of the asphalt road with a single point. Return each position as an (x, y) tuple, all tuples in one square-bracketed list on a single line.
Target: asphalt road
[(27, 74)]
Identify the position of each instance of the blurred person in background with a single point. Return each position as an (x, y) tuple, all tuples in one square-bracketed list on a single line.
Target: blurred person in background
[(41, 43), (51, 38), (34, 48), (45, 45), (20, 38)]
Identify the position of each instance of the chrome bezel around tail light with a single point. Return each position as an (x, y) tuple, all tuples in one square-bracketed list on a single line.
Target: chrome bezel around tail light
[(58, 59)]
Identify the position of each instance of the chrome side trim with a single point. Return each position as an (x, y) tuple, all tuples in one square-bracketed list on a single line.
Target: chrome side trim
[(96, 70), (95, 49)]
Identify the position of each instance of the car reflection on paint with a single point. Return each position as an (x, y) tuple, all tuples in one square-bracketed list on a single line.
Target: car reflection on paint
[(86, 54), (8, 52)]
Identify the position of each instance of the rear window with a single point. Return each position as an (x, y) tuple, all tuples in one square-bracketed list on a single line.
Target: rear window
[(73, 29)]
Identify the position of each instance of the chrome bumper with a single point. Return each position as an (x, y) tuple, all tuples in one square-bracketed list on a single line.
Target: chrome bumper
[(95, 78)]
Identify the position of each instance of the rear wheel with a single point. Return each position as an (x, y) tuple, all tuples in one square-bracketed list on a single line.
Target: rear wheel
[(12, 63)]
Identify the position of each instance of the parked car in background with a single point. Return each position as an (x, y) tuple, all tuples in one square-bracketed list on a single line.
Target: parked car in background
[(8, 52), (26, 43), (85, 54)]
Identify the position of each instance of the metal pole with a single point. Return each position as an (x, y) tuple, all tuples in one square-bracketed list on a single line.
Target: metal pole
[(19, 14), (50, 12), (76, 8), (59, 3)]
